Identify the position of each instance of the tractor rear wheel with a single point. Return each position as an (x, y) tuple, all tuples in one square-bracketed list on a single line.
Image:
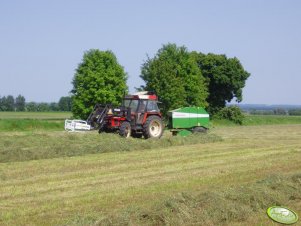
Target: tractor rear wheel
[(153, 127), (125, 129)]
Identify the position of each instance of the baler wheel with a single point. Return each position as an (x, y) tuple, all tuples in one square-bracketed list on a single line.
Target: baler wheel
[(199, 129)]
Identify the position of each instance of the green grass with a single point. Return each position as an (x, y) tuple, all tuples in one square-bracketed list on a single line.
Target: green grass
[(251, 120), (33, 121), (31, 125), (271, 119), (231, 182), (35, 115)]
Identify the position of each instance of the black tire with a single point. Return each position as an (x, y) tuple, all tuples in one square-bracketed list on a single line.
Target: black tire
[(153, 127), (199, 129), (125, 129)]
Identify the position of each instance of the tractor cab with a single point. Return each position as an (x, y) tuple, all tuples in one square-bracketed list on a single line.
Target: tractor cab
[(142, 105)]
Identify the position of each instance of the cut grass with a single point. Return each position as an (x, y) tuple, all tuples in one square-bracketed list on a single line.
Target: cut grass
[(23, 146), (238, 205), (223, 183)]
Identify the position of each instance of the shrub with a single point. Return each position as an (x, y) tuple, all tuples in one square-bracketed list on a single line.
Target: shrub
[(232, 113)]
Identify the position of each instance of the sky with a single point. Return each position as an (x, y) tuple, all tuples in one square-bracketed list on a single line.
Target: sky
[(42, 42)]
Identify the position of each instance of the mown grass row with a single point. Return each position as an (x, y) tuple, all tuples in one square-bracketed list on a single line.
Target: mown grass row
[(238, 205), (24, 146), (223, 183)]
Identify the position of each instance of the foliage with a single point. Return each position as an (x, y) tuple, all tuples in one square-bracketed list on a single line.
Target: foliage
[(41, 107), (99, 78), (20, 103), (294, 111), (65, 104), (226, 78), (7, 103), (279, 111), (261, 112), (54, 106), (31, 106), (174, 75), (232, 113)]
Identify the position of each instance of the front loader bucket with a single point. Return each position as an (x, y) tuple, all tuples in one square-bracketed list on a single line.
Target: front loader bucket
[(76, 125)]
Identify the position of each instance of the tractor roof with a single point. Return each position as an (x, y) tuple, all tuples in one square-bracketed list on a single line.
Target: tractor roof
[(144, 95)]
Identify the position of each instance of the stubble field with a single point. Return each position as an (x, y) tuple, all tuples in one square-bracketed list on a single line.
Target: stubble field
[(230, 177)]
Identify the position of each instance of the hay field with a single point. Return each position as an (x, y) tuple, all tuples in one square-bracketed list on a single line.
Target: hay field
[(228, 182)]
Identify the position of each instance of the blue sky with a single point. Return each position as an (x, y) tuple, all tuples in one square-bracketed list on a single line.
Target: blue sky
[(42, 42)]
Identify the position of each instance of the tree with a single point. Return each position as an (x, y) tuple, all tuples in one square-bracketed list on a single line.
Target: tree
[(43, 107), (99, 78), (31, 107), (1, 104), (65, 104), (231, 113), (20, 103), (279, 111), (174, 75), (226, 78), (294, 111), (53, 106), (8, 103)]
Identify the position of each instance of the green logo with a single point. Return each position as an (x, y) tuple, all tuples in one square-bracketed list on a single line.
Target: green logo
[(282, 215)]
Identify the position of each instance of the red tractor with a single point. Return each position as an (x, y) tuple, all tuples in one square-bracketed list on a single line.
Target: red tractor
[(138, 116)]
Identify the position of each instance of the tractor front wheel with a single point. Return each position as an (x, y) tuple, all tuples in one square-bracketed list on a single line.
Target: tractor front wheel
[(125, 129), (153, 127)]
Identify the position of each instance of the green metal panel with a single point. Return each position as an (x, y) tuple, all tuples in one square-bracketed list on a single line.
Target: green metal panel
[(188, 117), (184, 132)]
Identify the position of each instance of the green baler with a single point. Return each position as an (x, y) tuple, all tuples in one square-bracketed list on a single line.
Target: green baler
[(187, 120)]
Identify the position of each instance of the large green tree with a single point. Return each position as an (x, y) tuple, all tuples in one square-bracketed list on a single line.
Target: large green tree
[(226, 78), (175, 76), (99, 78)]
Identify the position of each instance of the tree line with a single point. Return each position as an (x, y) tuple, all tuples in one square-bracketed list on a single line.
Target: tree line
[(277, 111), (9, 103)]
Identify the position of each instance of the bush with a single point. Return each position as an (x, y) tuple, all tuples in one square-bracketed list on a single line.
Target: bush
[(232, 113)]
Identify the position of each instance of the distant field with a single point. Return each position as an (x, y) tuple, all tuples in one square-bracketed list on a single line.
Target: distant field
[(271, 119), (32, 121), (251, 120), (229, 182), (34, 115)]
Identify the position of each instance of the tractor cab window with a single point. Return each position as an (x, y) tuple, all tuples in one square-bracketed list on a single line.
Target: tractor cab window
[(133, 105), (127, 103), (152, 106), (142, 105)]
